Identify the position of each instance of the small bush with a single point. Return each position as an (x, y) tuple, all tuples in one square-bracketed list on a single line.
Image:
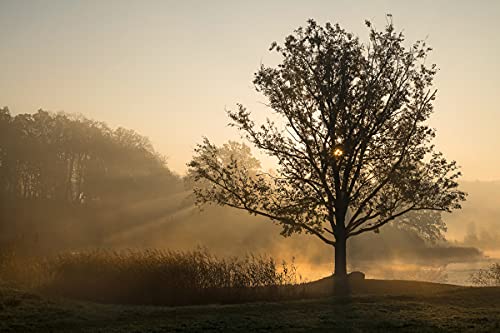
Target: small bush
[(487, 277)]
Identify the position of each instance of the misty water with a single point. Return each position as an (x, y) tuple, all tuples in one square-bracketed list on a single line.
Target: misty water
[(172, 222)]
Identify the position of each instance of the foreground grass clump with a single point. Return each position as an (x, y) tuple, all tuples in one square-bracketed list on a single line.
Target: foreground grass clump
[(158, 277)]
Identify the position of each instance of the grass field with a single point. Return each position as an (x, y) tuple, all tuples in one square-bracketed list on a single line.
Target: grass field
[(376, 306)]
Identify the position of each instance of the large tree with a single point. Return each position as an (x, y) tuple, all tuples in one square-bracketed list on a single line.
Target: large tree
[(353, 147)]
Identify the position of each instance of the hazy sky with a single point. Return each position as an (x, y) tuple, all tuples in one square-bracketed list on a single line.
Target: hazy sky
[(168, 69)]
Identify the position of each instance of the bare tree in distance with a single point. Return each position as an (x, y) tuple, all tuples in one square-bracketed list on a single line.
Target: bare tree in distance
[(355, 152)]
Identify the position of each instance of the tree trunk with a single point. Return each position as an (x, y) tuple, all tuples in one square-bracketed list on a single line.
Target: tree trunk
[(340, 257), (341, 283), (69, 185)]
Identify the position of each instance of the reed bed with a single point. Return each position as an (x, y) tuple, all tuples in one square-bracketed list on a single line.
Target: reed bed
[(157, 277)]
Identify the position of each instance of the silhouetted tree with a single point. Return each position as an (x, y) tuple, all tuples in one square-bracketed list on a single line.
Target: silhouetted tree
[(354, 153), (427, 224)]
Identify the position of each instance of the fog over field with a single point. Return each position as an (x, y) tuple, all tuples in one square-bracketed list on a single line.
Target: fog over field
[(392, 253), (169, 71), (171, 221)]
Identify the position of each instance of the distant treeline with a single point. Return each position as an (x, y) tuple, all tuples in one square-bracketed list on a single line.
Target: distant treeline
[(69, 158), (69, 182)]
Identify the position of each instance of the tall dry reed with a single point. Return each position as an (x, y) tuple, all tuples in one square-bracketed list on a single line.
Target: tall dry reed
[(155, 277)]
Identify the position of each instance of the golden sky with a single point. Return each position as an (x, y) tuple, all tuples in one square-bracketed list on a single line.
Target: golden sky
[(168, 69)]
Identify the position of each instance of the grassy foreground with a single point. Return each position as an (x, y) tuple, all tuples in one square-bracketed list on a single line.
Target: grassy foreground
[(376, 306)]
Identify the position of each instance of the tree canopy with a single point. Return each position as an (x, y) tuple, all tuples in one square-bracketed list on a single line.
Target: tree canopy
[(355, 151)]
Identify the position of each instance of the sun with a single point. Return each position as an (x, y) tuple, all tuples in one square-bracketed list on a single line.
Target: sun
[(337, 152)]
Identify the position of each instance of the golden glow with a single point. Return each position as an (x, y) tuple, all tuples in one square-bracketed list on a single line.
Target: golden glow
[(169, 69), (337, 152)]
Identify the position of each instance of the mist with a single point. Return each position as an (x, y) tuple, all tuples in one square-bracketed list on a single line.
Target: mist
[(72, 184), (145, 205)]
